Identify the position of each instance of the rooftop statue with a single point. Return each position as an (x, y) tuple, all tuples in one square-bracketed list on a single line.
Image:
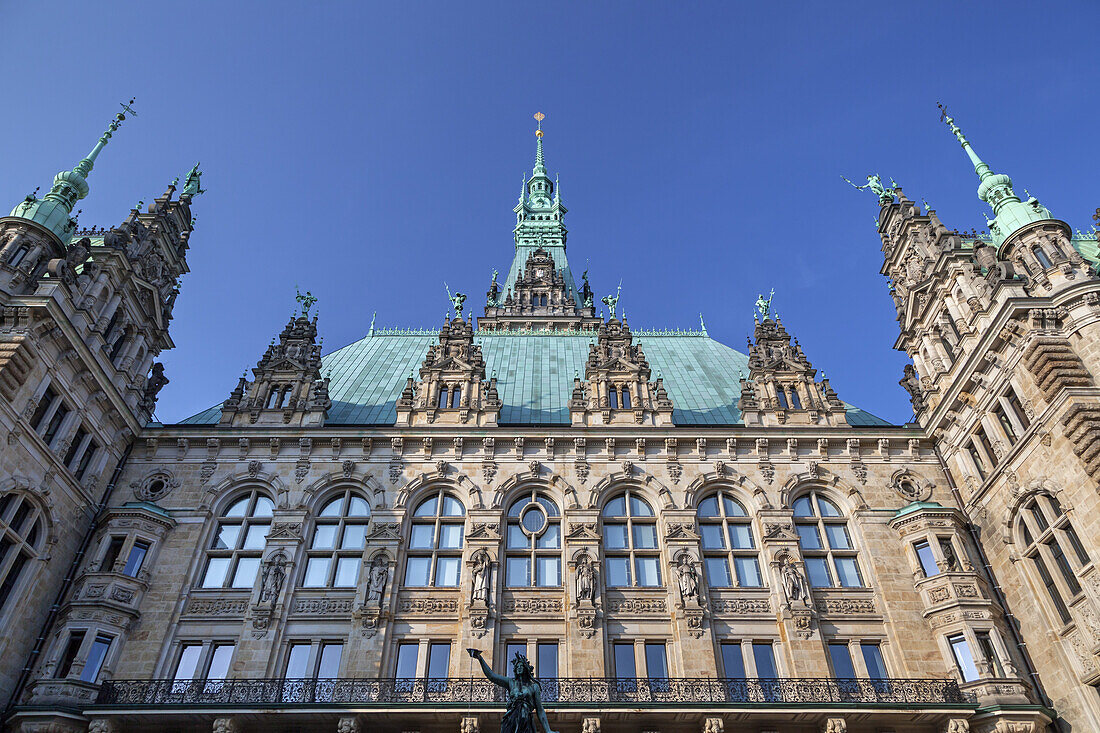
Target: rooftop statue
[(524, 695), (611, 301), (765, 306), (875, 184), (456, 300), (191, 185), (586, 291)]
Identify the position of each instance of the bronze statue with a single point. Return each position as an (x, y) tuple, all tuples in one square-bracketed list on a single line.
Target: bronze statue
[(524, 695)]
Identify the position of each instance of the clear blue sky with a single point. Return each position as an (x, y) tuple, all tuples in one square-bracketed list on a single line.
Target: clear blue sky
[(370, 151)]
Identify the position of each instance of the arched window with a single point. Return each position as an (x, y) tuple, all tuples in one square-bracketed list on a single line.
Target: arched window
[(435, 542), (630, 542), (21, 532), (533, 552), (1041, 256), (826, 544), (796, 403), (233, 559), (626, 398), (613, 398), (456, 396), (781, 396), (20, 253), (728, 543), (1044, 530), (442, 398), (339, 536)]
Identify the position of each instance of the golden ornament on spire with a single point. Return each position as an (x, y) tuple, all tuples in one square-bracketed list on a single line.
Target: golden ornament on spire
[(539, 117)]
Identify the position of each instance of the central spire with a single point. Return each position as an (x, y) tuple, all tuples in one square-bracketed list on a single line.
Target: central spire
[(540, 164)]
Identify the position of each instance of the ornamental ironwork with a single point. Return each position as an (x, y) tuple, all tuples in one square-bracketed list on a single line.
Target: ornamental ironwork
[(557, 692)]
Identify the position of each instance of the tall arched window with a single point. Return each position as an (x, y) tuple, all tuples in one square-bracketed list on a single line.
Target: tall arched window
[(533, 552), (233, 559), (1041, 256), (336, 548), (435, 542), (826, 544), (21, 532), (1044, 529), (630, 542), (728, 543)]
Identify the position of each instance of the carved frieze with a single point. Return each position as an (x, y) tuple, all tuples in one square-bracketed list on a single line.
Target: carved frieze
[(428, 606), (322, 606), (216, 606), (523, 605)]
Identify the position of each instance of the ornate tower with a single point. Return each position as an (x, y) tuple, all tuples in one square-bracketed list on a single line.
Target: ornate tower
[(83, 315), (1001, 329), (539, 292)]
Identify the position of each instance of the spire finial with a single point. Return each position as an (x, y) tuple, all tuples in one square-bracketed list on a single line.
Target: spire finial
[(540, 164), (980, 166)]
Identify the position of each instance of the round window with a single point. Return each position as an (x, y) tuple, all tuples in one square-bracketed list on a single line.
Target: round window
[(533, 519)]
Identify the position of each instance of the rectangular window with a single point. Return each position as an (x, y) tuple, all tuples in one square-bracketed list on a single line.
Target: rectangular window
[(65, 664), (765, 660), (872, 658), (347, 572), (55, 423), (450, 536), (188, 665), (648, 574), (423, 537), (983, 438), (838, 537), (548, 571), (78, 438), (136, 558), (1063, 565), (713, 539), (446, 571), (614, 536), (985, 644), (613, 398), (517, 571), (645, 537), (86, 460), (247, 569), (97, 655), (618, 571), (219, 662), (656, 663), (297, 661), (818, 571), (976, 459), (841, 657), (44, 404), (547, 666), (718, 572), (406, 661), (748, 572), (1052, 589), (12, 578), (328, 666), (964, 660), (417, 570), (1006, 424), (733, 663), (848, 572), (1075, 543), (624, 660), (741, 537), (1017, 407), (110, 557), (808, 537), (216, 569), (439, 659), (927, 559)]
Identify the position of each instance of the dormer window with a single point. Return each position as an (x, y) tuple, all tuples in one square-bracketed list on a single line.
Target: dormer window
[(796, 403), (277, 396), (781, 397), (456, 396), (442, 398)]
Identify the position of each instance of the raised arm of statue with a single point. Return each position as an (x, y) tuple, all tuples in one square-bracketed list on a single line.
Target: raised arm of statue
[(490, 675)]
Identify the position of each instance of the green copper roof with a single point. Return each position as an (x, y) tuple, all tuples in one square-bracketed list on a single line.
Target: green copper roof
[(53, 210), (916, 506), (1010, 214), (535, 377)]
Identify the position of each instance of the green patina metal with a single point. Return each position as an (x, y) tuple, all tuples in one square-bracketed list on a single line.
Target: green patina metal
[(540, 222), (535, 376), (1010, 214), (916, 506), (53, 210)]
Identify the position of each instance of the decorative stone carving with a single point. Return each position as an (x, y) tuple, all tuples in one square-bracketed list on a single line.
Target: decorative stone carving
[(741, 606), (714, 725), (480, 570), (348, 724), (590, 725), (586, 580), (285, 531), (429, 606), (154, 487), (377, 577), (637, 606), (688, 580), (834, 725), (846, 606), (533, 605), (322, 606), (216, 607)]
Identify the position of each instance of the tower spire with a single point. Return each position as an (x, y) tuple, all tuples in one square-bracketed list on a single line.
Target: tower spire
[(540, 163), (1009, 213), (52, 210)]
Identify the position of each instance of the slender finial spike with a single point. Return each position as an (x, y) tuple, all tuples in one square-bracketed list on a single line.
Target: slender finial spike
[(980, 166), (540, 163)]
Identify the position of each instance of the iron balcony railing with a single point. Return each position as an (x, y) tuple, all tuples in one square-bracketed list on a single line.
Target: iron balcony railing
[(558, 692)]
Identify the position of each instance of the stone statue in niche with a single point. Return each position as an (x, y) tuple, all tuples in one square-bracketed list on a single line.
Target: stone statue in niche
[(273, 576), (479, 577), (689, 580), (794, 583), (376, 583), (586, 579)]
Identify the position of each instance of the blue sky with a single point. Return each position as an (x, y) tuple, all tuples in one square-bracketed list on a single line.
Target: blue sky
[(370, 151)]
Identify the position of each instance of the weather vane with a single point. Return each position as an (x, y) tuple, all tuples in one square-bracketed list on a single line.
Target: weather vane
[(127, 108), (539, 117), (306, 300)]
